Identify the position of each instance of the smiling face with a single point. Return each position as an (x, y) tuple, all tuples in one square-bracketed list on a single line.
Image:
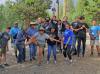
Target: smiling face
[(94, 22), (52, 30), (39, 20), (41, 32), (67, 26)]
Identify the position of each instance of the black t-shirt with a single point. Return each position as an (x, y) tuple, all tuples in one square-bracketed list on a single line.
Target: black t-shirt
[(53, 24), (54, 36), (82, 32), (75, 26), (63, 25)]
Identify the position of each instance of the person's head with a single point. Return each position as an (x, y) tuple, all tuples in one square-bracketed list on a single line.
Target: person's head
[(65, 18), (94, 22), (47, 19), (8, 29), (16, 24), (59, 22), (39, 20), (67, 26), (53, 30), (54, 17), (81, 18), (42, 30), (43, 20), (76, 19), (32, 24)]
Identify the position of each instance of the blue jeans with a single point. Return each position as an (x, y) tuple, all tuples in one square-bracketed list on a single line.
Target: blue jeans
[(53, 48), (74, 48), (20, 57), (32, 51)]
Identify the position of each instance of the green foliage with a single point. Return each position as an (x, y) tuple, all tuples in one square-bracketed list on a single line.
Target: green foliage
[(88, 8), (23, 10)]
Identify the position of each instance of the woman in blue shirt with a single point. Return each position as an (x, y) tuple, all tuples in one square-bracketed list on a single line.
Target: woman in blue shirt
[(68, 34)]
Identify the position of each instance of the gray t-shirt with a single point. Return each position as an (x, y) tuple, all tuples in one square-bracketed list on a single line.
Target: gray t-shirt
[(41, 38)]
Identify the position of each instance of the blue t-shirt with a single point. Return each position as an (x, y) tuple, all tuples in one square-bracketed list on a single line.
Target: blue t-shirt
[(94, 31), (14, 31), (99, 27), (67, 34), (31, 31)]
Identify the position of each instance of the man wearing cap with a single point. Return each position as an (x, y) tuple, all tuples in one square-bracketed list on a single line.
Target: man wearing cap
[(30, 32), (13, 32)]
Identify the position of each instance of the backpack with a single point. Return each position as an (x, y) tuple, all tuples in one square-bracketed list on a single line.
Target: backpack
[(92, 37)]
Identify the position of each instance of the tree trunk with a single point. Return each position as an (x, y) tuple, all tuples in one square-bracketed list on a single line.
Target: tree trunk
[(65, 8)]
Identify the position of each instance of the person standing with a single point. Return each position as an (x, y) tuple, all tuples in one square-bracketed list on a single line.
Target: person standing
[(64, 22), (41, 38), (13, 32), (68, 34), (82, 29), (30, 33), (52, 45), (5, 39), (20, 44), (1, 66), (46, 26), (60, 35), (39, 23), (53, 24), (94, 37), (74, 26)]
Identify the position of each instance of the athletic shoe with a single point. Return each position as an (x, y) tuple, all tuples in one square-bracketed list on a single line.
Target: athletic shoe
[(6, 64), (47, 62), (1, 66), (55, 62), (70, 61)]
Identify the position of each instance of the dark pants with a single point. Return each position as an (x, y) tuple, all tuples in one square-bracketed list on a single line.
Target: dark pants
[(20, 57), (81, 43), (67, 52), (24, 54)]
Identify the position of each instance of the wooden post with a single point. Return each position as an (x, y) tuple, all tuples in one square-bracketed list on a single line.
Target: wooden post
[(65, 8)]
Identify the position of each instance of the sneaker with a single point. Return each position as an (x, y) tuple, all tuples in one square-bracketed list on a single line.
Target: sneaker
[(70, 61), (30, 60), (6, 64), (39, 64), (1, 66), (66, 59), (99, 54), (34, 58), (91, 54), (47, 62), (55, 62)]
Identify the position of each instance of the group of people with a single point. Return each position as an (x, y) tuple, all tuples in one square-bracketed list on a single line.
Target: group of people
[(68, 38)]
